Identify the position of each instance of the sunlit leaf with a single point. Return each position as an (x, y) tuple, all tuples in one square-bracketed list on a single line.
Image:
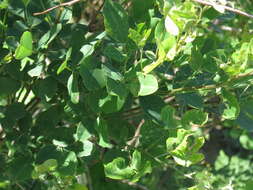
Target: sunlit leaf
[(170, 26), (25, 47)]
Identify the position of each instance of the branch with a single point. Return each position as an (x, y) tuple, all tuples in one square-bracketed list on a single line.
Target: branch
[(57, 6), (136, 185), (133, 141), (225, 7)]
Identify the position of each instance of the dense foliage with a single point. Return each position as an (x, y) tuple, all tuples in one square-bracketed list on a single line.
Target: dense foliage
[(127, 94)]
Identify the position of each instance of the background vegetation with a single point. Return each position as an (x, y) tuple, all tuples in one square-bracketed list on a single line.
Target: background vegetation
[(127, 94)]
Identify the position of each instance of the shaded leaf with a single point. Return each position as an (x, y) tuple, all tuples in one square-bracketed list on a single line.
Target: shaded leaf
[(194, 117), (115, 20), (47, 38), (168, 114), (8, 86), (232, 109), (102, 130)]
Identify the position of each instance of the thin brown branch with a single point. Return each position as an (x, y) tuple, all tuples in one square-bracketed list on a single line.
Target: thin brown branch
[(70, 3), (236, 11), (134, 140)]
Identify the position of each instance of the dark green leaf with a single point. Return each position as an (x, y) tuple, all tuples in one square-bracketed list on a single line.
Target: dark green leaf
[(168, 116), (21, 168), (73, 88), (8, 86), (102, 130), (46, 88), (89, 81), (232, 109), (115, 20), (194, 117), (116, 88), (47, 38)]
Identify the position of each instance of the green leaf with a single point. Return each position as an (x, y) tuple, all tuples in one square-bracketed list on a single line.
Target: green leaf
[(193, 100), (36, 71), (89, 80), (111, 104), (102, 130), (114, 54), (15, 111), (26, 2), (184, 148), (64, 65), (87, 50), (25, 47), (116, 88), (48, 119), (165, 41), (221, 161), (170, 26), (21, 168), (152, 105), (8, 86), (47, 38), (67, 161), (101, 101), (168, 116), (140, 35), (246, 141), (232, 109), (144, 85), (14, 70), (117, 169), (46, 88), (60, 144), (111, 72), (82, 134), (194, 117), (99, 75), (87, 149), (69, 165), (4, 4), (136, 160), (245, 118), (115, 21), (249, 185), (213, 60), (78, 187), (73, 88), (148, 84), (47, 166), (140, 10)]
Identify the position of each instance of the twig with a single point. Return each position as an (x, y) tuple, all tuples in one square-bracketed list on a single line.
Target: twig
[(225, 7), (93, 16), (20, 186), (136, 185), (133, 141), (231, 29), (70, 3)]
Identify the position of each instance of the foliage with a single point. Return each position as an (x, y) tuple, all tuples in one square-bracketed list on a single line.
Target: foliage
[(128, 94)]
